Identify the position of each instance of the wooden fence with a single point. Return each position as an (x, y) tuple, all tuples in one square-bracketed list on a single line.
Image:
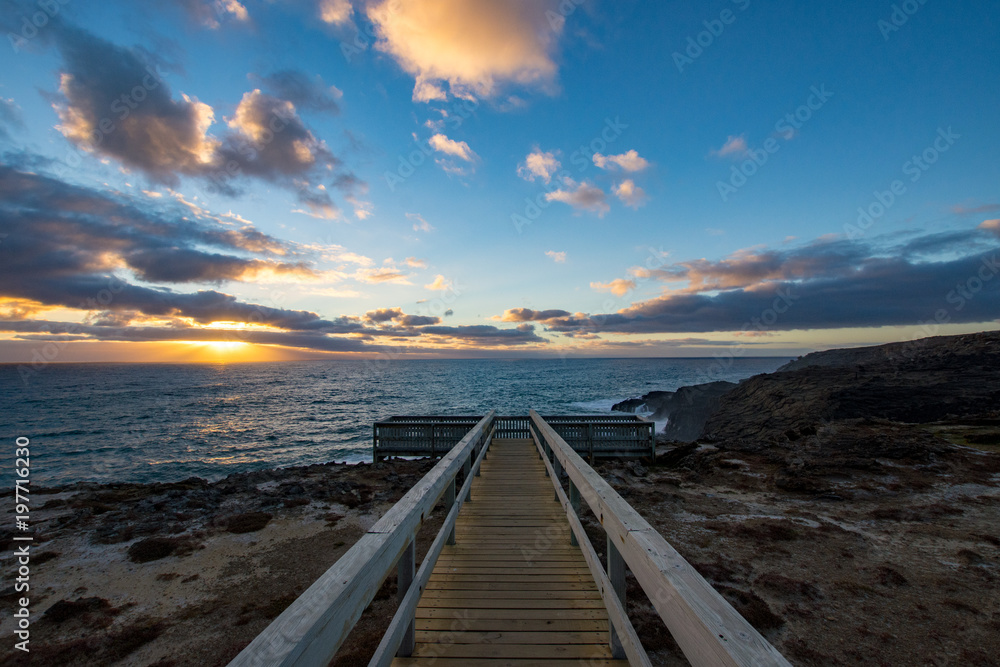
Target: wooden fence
[(595, 436)]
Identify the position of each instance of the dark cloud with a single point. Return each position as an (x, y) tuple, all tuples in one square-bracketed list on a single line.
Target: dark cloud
[(66, 246), (57, 229), (529, 315), (209, 13), (70, 331), (114, 101), (483, 334), (946, 277), (398, 317), (301, 90)]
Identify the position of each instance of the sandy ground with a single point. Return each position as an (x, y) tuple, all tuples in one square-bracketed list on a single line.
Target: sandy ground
[(897, 564)]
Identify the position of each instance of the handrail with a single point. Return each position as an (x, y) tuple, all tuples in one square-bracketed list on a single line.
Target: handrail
[(314, 626), (617, 615), (705, 626), (403, 619)]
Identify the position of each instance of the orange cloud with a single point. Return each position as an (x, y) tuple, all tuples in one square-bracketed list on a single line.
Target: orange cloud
[(618, 286), (472, 46)]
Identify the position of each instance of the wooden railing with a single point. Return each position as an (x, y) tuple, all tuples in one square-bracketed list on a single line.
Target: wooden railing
[(418, 436), (606, 437), (594, 436), (705, 626), (314, 626)]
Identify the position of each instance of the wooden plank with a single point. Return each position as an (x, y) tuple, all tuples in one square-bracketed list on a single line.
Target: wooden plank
[(502, 662), (502, 603), (512, 586), (709, 631), (512, 637), (512, 625), (535, 651), (521, 594), (514, 613)]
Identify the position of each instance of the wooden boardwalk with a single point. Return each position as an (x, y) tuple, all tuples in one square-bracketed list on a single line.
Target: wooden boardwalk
[(511, 590)]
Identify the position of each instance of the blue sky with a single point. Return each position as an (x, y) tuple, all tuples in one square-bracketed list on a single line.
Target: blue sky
[(461, 178)]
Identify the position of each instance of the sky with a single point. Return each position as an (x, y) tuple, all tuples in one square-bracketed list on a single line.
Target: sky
[(241, 180)]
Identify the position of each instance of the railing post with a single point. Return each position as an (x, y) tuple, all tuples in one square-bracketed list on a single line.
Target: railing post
[(375, 443), (405, 571), (449, 502), (433, 452), (616, 573), (467, 468), (482, 445), (557, 467), (574, 501), (545, 446), (590, 442)]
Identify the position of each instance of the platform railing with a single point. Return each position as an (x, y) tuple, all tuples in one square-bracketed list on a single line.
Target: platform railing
[(311, 630), (705, 626)]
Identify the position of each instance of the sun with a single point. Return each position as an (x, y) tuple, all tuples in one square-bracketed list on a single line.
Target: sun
[(227, 347)]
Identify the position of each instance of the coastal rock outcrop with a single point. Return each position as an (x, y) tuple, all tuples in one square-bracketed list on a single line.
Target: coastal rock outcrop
[(919, 382), (686, 410)]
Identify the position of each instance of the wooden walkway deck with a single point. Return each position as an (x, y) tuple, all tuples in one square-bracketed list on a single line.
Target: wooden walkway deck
[(511, 591)]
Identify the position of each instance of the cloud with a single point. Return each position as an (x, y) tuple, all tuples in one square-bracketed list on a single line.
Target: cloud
[(557, 257), (118, 259), (397, 316), (10, 117), (211, 13), (415, 263), (301, 90), (529, 315), (161, 136), (484, 334), (540, 165), (459, 149), (440, 283), (735, 147), (472, 46), (384, 275), (87, 232), (582, 196), (949, 277), (993, 225), (618, 286), (336, 12), (629, 161), (630, 193), (419, 225), (145, 128), (975, 210)]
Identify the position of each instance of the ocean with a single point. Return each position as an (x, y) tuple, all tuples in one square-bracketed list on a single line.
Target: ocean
[(167, 422)]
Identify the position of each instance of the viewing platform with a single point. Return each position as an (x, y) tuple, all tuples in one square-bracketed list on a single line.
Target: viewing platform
[(511, 577)]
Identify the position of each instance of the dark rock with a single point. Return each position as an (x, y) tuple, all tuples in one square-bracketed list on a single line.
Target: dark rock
[(63, 610), (686, 409), (153, 548), (248, 522)]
